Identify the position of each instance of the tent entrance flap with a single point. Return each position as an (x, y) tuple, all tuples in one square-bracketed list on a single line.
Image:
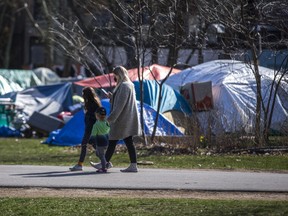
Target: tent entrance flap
[(199, 95)]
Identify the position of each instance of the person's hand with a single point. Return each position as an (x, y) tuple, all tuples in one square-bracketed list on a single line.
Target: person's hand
[(109, 95)]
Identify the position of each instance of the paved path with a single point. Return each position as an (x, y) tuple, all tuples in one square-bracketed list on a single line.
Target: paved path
[(198, 180)]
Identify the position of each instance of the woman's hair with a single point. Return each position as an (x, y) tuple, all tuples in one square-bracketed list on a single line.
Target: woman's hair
[(122, 73), (90, 98)]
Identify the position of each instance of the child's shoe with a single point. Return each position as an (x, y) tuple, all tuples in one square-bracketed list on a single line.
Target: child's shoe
[(101, 170), (99, 165), (109, 165)]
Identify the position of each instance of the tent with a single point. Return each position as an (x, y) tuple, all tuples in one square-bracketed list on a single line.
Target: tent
[(153, 72), (17, 80), (48, 99), (171, 99), (234, 94), (72, 132), (47, 76)]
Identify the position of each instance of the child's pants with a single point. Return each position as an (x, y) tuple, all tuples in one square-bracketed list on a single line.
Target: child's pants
[(100, 152)]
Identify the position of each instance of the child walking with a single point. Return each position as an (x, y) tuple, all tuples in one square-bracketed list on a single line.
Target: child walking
[(100, 132)]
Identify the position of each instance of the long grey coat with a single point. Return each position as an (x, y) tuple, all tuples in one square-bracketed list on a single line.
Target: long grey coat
[(123, 118)]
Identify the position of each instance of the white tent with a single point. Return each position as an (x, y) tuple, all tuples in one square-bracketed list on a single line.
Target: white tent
[(16, 80), (47, 76), (234, 94)]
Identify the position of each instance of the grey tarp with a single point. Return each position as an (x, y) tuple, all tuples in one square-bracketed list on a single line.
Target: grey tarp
[(234, 95)]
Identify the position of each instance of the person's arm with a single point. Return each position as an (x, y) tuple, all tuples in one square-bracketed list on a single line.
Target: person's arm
[(94, 130), (119, 102)]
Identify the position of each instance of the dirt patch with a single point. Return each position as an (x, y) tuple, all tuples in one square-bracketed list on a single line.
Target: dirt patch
[(95, 193)]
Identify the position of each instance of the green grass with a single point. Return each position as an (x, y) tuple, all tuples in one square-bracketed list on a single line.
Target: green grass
[(144, 206), (31, 151)]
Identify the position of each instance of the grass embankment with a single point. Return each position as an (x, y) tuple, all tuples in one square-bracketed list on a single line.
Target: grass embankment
[(31, 151)]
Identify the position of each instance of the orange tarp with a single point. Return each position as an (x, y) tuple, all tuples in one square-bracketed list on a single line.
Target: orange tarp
[(152, 72)]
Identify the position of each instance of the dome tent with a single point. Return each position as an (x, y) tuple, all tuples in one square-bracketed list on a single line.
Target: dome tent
[(171, 99), (234, 94)]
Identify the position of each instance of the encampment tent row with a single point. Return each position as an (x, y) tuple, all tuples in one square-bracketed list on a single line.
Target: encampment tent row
[(220, 94)]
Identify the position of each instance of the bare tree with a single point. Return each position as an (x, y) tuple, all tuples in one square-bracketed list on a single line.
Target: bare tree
[(142, 28), (8, 12), (243, 20), (12, 13), (145, 22)]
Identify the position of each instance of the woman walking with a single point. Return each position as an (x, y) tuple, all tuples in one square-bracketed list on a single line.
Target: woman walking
[(123, 119)]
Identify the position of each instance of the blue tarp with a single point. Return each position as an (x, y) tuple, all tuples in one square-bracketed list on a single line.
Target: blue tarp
[(171, 99), (71, 134), (48, 99), (9, 132)]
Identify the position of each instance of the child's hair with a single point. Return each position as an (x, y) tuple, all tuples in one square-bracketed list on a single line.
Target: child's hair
[(101, 111)]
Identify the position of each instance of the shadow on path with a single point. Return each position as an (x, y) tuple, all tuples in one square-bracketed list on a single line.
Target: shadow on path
[(57, 174)]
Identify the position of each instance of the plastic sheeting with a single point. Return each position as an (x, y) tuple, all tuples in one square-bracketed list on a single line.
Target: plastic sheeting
[(171, 99), (234, 94), (71, 134), (17, 80), (9, 132), (48, 100)]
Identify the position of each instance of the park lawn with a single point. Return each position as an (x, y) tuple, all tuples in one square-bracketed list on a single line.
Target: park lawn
[(33, 152), (139, 206)]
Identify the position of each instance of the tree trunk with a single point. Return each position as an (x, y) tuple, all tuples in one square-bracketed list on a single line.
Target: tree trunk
[(49, 55), (67, 68), (272, 98), (257, 75), (9, 42)]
